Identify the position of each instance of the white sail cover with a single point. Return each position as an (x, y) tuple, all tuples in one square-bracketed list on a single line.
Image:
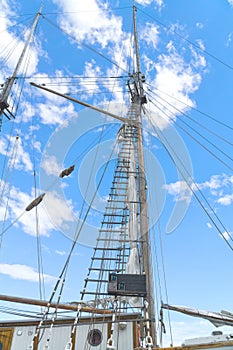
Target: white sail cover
[(133, 261), (133, 264), (218, 319)]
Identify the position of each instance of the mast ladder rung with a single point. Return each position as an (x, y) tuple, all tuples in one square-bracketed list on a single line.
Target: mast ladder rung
[(121, 177), (123, 202), (104, 270), (105, 258), (112, 249), (111, 230), (114, 222), (95, 280), (111, 240), (120, 182), (116, 208), (94, 293), (119, 194), (113, 215)]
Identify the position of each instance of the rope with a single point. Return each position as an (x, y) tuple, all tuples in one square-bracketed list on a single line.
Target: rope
[(10, 167), (194, 120), (85, 45), (79, 231), (195, 139), (189, 41), (158, 278), (195, 185)]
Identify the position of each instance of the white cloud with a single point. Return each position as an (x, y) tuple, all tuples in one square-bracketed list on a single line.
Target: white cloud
[(149, 2), (180, 190), (24, 272), (51, 165), (229, 39), (218, 185), (60, 210), (230, 2), (175, 78), (20, 159), (226, 199), (93, 26), (199, 25), (150, 34), (59, 252), (52, 211), (54, 114), (18, 201), (52, 108), (91, 69), (16, 44), (227, 235)]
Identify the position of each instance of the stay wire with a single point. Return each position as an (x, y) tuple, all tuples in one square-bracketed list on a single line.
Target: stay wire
[(193, 120), (189, 41), (155, 261), (193, 108), (10, 168), (195, 139), (85, 45), (195, 185), (169, 117), (25, 68), (38, 240), (11, 47), (85, 217), (84, 220), (163, 270)]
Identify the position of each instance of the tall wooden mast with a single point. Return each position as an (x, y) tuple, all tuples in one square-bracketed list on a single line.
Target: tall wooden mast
[(140, 99), (4, 96)]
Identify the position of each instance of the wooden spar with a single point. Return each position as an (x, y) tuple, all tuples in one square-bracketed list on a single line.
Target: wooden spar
[(122, 119), (10, 81), (144, 224), (53, 305)]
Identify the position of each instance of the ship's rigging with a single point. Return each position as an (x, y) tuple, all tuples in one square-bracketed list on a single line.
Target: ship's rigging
[(120, 214)]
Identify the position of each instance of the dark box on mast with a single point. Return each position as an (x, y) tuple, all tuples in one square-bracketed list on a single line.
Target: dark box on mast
[(127, 284)]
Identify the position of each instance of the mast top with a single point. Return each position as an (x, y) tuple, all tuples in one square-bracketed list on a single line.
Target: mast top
[(139, 78)]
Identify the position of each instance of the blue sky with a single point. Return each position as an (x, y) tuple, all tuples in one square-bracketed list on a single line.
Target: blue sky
[(186, 50)]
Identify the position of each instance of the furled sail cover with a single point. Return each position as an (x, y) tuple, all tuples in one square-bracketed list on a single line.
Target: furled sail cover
[(133, 261), (217, 318), (128, 150)]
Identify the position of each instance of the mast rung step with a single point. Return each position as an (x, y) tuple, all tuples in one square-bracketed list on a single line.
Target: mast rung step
[(114, 222), (93, 293), (120, 182), (111, 240), (111, 230), (122, 166), (106, 270), (116, 208), (99, 248), (121, 177), (116, 201), (129, 172), (119, 195), (121, 240), (95, 280), (113, 215), (109, 259)]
